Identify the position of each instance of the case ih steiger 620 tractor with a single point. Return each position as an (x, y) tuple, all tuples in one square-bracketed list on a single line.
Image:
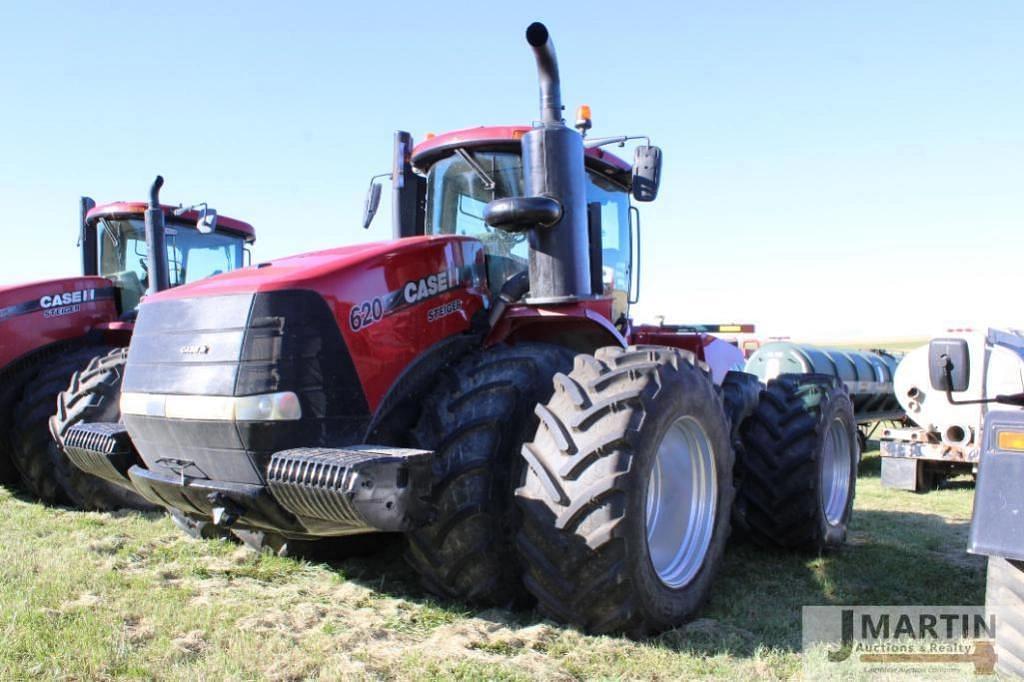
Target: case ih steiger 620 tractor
[(53, 330), (471, 385)]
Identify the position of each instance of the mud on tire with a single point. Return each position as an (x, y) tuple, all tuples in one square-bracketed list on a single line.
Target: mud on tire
[(605, 542), (92, 395), (476, 421), (797, 468)]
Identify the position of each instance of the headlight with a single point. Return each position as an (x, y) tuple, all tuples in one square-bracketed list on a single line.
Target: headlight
[(281, 406)]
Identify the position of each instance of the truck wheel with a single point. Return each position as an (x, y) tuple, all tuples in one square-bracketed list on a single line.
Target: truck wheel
[(628, 491), (1004, 588), (476, 421), (33, 447), (92, 395), (799, 464)]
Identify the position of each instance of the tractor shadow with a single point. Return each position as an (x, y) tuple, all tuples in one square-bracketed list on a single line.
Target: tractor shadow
[(756, 601)]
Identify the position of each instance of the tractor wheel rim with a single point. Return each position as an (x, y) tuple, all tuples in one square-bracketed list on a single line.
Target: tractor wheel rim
[(835, 471), (682, 500)]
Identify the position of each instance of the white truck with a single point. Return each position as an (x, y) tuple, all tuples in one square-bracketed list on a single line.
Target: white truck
[(946, 438)]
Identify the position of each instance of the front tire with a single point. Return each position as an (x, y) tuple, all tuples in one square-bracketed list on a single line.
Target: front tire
[(44, 471), (798, 464), (627, 497), (475, 422), (92, 395)]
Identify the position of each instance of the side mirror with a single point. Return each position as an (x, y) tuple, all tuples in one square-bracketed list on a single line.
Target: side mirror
[(646, 172), (372, 204), (207, 222), (949, 364)]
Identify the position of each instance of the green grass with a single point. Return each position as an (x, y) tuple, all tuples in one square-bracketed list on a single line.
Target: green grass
[(97, 596)]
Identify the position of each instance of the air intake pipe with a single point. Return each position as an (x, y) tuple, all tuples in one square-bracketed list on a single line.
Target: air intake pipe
[(554, 208), (155, 240)]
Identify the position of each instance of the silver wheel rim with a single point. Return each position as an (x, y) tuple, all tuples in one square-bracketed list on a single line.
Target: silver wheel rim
[(835, 472), (682, 499)]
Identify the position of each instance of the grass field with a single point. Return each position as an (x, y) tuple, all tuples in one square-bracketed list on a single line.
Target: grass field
[(87, 596)]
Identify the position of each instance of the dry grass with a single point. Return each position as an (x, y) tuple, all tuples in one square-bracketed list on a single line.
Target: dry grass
[(97, 596)]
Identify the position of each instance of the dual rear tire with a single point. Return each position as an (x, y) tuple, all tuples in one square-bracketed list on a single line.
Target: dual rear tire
[(627, 496), (797, 465)]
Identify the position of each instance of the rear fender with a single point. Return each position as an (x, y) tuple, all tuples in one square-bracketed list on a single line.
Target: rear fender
[(582, 326)]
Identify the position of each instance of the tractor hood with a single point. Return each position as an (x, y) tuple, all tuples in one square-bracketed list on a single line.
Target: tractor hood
[(324, 270), (329, 331), (39, 313)]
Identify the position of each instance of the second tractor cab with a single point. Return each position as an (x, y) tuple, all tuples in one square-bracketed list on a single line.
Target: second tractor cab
[(66, 329), (471, 385)]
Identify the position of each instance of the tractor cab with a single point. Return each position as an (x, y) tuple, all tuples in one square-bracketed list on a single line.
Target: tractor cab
[(463, 171), (198, 244)]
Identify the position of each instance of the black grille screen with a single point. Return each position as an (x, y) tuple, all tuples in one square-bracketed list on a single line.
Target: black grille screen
[(242, 345)]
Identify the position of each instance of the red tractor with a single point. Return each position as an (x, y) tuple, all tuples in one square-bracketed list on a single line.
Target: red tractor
[(53, 330), (471, 384)]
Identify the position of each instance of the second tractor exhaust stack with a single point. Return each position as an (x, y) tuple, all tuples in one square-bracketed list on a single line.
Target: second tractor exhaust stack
[(554, 208), (155, 240)]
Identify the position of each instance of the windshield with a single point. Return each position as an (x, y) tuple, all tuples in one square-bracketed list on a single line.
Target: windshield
[(457, 194), (191, 256)]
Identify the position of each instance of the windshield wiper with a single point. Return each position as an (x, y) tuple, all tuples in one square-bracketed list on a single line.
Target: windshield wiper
[(488, 181)]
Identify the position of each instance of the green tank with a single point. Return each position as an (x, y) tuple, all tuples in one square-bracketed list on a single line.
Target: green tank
[(867, 374)]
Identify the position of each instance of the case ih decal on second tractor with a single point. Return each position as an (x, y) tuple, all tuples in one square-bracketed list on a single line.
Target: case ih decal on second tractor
[(75, 329), (504, 425)]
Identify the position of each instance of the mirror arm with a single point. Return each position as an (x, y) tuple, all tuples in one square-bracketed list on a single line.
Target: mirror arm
[(596, 142), (1012, 399)]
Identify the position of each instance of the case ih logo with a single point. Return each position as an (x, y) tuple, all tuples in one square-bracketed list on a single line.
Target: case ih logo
[(56, 305), (420, 289), (69, 298)]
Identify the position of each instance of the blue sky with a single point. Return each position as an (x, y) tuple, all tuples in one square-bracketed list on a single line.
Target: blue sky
[(832, 169)]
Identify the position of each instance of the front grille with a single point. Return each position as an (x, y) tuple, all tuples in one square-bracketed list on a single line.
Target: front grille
[(242, 345), (100, 449), (361, 488)]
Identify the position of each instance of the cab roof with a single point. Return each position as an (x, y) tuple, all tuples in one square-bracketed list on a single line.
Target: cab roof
[(433, 148), (122, 209)]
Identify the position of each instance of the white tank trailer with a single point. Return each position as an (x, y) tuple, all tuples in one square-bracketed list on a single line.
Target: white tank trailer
[(947, 438), (868, 376)]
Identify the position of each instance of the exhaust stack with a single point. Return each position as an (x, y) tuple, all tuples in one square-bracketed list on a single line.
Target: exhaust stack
[(553, 169), (155, 240), (553, 208), (547, 70)]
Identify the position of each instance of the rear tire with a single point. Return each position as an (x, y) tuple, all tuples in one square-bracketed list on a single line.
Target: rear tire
[(11, 386), (631, 438), (476, 422), (799, 464), (92, 395), (1004, 588)]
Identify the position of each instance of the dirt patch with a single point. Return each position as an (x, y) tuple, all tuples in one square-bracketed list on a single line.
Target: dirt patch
[(84, 601), (191, 644)]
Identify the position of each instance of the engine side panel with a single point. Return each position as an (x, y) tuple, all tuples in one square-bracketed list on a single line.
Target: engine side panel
[(43, 313)]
